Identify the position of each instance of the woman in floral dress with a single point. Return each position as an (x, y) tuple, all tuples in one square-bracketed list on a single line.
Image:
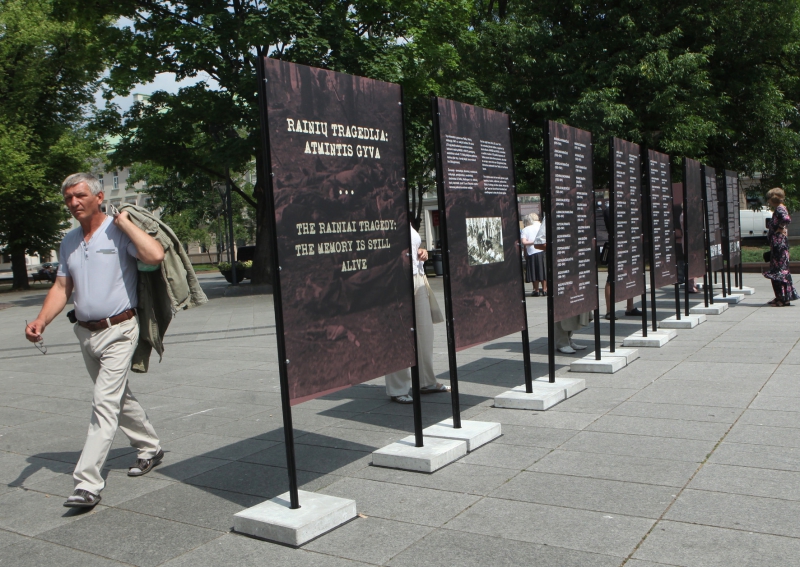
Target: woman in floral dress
[(779, 251)]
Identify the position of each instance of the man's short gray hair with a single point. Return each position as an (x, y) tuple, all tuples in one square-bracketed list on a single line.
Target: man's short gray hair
[(528, 220), (91, 181)]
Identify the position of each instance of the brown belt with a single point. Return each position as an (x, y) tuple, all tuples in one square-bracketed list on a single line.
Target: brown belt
[(106, 323)]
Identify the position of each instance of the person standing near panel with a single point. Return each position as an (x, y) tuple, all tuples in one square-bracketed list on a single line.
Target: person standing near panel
[(398, 384), (534, 259), (778, 239), (98, 263)]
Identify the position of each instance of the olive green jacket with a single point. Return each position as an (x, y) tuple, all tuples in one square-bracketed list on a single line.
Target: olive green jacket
[(164, 291)]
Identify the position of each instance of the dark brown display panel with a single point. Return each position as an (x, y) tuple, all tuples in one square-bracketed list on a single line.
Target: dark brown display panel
[(732, 247), (693, 224), (338, 167), (714, 234), (571, 225), (480, 203), (627, 261), (662, 221)]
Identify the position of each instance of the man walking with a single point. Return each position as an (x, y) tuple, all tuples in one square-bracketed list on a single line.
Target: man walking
[(97, 262)]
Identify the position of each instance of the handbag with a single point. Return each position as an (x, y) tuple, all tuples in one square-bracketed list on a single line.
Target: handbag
[(768, 256), (604, 252), (436, 313)]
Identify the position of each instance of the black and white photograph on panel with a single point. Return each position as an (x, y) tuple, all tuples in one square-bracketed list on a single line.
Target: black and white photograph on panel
[(475, 170), (484, 240)]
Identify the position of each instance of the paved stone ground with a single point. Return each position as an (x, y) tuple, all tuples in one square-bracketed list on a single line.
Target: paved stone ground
[(690, 456)]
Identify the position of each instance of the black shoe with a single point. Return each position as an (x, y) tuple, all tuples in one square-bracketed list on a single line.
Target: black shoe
[(144, 466), (633, 312), (610, 315), (82, 499), (534, 294)]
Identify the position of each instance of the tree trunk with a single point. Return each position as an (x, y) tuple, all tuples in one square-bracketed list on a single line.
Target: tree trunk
[(20, 270), (262, 258)]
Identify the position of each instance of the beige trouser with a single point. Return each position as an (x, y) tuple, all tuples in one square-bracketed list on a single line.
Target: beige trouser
[(107, 354), (399, 383)]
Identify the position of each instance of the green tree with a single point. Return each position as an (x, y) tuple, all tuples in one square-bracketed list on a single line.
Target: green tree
[(206, 130), (50, 62)]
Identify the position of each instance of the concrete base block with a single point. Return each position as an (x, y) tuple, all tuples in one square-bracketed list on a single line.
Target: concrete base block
[(274, 520), (744, 290), (715, 309), (539, 400), (475, 433), (608, 364), (733, 298), (629, 354), (654, 339), (407, 456), (545, 395), (686, 322)]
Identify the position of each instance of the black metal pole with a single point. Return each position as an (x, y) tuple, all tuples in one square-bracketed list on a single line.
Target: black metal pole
[(685, 241), (283, 362), (678, 301), (526, 344), (415, 391), (707, 239), (231, 240), (548, 223), (597, 346), (448, 294)]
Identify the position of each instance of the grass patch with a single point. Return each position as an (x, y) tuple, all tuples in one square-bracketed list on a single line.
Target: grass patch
[(752, 254), (204, 267)]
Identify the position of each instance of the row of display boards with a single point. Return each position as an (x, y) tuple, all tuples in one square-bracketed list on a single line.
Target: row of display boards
[(343, 286)]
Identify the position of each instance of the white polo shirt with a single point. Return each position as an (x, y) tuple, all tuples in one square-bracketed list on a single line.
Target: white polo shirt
[(417, 265), (103, 271)]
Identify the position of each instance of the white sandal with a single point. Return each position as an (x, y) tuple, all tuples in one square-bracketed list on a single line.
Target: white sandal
[(404, 399)]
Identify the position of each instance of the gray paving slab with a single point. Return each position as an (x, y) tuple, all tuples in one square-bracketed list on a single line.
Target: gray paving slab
[(198, 506), (402, 503), (315, 458), (10, 538), (750, 481), (457, 477), (678, 411), (446, 548), (582, 530), (690, 545), (693, 393), (640, 446), (595, 400), (772, 418), (505, 456), (670, 428), (119, 535), (558, 420), (371, 540), (774, 402), (583, 493), (31, 513), (623, 468), (768, 457), (764, 435), (737, 511), (38, 553), (545, 437), (218, 447)]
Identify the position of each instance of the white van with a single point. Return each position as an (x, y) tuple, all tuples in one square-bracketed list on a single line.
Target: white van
[(754, 223)]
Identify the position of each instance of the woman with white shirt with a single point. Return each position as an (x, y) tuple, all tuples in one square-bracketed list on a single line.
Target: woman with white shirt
[(398, 384), (534, 259)]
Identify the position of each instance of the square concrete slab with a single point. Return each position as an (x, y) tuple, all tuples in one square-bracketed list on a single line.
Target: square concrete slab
[(274, 520), (607, 365), (654, 339), (733, 298), (686, 322), (435, 454), (629, 354), (540, 399), (744, 290), (715, 309), (475, 433)]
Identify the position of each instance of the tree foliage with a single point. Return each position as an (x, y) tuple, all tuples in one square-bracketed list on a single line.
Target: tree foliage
[(50, 61)]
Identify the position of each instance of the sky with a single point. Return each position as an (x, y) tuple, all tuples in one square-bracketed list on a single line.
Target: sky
[(163, 82)]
